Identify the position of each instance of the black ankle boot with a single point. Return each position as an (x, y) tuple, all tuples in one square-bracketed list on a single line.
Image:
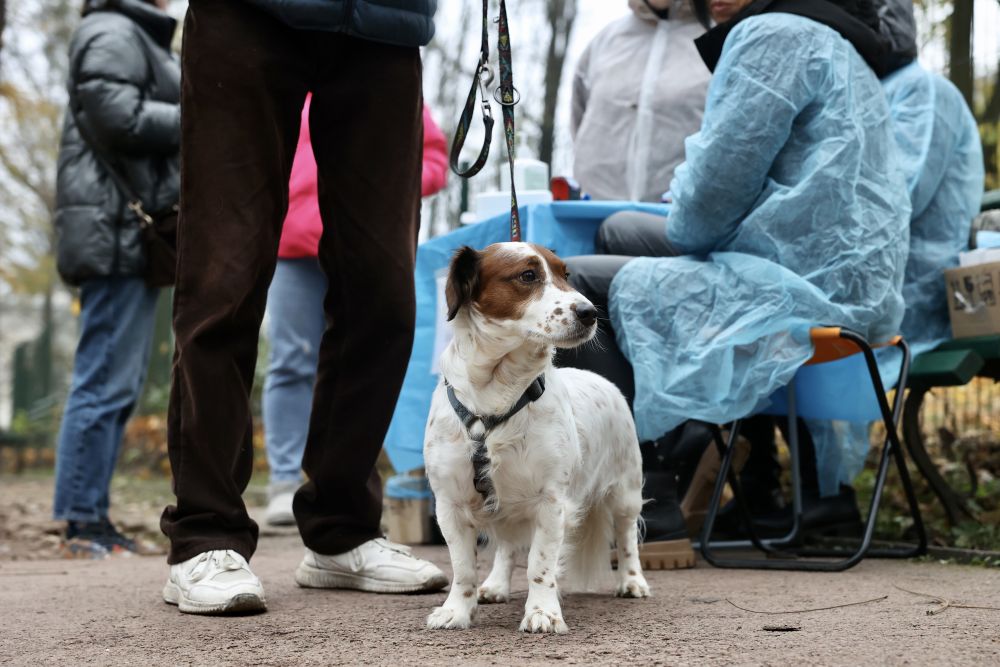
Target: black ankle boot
[(662, 512)]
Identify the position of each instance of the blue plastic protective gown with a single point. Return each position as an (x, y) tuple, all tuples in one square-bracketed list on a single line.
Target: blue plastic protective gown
[(795, 214), (942, 160)]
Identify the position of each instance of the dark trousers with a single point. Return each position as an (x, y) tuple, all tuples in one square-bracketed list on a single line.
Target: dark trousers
[(621, 238), (245, 78)]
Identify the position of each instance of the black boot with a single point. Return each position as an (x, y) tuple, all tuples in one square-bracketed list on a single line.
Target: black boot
[(665, 545), (832, 516), (662, 512), (836, 515)]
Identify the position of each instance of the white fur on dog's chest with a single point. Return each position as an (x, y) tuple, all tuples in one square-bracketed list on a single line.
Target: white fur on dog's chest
[(532, 458)]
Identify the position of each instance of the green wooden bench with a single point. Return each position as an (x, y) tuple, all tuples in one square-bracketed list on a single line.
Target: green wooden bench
[(991, 200), (952, 364)]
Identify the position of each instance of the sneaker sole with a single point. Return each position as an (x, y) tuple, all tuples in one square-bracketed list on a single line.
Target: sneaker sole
[(244, 603), (694, 506), (308, 576)]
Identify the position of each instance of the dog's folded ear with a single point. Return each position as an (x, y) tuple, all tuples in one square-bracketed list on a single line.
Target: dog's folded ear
[(463, 277)]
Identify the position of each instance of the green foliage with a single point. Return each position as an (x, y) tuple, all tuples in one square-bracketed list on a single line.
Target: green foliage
[(982, 533)]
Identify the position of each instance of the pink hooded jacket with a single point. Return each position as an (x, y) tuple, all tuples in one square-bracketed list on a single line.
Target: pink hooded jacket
[(302, 226)]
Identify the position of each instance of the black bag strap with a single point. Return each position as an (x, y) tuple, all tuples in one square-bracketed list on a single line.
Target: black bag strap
[(507, 95), (133, 201)]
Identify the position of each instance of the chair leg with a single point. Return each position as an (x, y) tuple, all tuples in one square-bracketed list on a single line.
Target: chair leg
[(726, 473), (796, 463), (891, 448), (891, 418)]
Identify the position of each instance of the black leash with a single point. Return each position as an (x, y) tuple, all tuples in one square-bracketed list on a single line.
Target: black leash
[(507, 95), (480, 458)]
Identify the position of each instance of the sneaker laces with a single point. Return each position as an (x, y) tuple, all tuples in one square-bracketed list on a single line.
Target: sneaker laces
[(386, 543), (226, 560)]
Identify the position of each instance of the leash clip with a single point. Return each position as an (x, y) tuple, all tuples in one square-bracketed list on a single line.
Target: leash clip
[(484, 75)]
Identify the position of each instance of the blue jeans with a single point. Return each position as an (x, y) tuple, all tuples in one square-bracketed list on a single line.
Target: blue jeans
[(116, 331), (295, 328)]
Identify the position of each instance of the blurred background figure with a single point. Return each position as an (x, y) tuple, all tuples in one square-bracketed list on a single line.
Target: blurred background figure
[(296, 320), (124, 89), (638, 92), (937, 136)]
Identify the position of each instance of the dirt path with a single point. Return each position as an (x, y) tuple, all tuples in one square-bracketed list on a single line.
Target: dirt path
[(109, 613)]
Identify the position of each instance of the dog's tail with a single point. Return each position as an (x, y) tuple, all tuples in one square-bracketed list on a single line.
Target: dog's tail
[(588, 564)]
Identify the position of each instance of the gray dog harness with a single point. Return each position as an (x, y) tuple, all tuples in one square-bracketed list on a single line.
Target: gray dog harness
[(480, 459)]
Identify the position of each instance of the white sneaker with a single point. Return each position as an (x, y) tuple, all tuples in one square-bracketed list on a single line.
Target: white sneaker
[(279, 510), (377, 566), (214, 582)]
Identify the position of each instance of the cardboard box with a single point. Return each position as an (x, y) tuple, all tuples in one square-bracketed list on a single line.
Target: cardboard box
[(973, 299)]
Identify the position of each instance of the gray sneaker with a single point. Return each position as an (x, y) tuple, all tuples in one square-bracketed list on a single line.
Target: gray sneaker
[(279, 504)]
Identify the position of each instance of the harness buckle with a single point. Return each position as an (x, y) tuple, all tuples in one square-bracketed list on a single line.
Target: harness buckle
[(145, 219)]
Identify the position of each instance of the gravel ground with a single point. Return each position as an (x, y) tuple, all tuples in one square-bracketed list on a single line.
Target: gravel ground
[(109, 612)]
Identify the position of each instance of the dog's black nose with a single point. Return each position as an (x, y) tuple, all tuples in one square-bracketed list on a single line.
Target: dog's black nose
[(587, 314)]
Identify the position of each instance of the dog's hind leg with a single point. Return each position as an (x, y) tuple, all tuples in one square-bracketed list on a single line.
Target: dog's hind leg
[(626, 505), (496, 588), (460, 534)]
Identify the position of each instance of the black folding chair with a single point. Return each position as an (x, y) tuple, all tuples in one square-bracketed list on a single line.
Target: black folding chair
[(786, 553)]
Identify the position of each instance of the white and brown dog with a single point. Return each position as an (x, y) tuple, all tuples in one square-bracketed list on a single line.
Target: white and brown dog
[(531, 455)]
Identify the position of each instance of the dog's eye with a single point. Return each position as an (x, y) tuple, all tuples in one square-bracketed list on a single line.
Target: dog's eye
[(567, 275), (528, 276)]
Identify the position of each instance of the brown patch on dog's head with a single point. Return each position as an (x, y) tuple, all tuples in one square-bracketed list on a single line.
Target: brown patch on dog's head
[(507, 282), (557, 269), (502, 279)]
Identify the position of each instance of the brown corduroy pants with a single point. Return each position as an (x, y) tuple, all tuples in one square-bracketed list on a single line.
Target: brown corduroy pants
[(245, 77)]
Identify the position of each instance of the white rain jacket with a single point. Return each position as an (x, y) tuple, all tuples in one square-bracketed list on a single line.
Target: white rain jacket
[(638, 92)]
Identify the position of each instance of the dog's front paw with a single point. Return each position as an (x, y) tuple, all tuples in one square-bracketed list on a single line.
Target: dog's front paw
[(449, 618), (489, 594), (541, 620), (633, 587)]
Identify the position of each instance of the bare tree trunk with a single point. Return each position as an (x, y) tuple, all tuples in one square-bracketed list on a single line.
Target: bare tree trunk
[(960, 63), (451, 90), (992, 111), (3, 22), (561, 15)]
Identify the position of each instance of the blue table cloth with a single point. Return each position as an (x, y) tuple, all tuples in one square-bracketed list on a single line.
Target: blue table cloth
[(568, 228)]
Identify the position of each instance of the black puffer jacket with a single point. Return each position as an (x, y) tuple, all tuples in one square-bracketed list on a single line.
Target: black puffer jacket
[(399, 22), (124, 87)]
